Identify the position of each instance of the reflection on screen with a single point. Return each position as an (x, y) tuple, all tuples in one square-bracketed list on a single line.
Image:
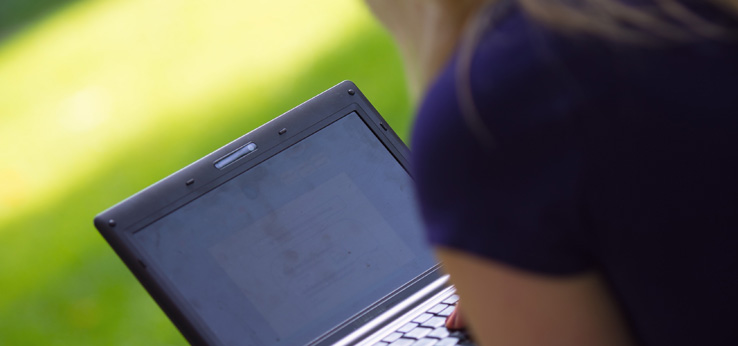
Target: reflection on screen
[(296, 245)]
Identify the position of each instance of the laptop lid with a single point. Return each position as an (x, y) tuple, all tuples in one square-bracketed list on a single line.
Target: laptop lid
[(295, 233)]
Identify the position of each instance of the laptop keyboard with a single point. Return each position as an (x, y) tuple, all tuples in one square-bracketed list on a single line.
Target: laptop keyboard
[(428, 329)]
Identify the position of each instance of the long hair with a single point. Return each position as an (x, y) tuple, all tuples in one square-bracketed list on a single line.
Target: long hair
[(639, 22)]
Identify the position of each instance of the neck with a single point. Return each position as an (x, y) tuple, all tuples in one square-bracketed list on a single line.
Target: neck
[(427, 32)]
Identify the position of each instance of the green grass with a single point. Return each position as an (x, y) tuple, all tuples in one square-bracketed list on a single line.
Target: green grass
[(16, 14), (60, 283)]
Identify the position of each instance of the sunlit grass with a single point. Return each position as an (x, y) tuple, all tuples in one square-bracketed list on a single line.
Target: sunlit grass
[(99, 75), (105, 98)]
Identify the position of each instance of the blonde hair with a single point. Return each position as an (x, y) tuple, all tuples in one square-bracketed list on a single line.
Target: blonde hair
[(659, 21)]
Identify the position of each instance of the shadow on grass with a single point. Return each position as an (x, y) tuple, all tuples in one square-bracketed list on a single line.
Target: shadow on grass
[(61, 282), (16, 15)]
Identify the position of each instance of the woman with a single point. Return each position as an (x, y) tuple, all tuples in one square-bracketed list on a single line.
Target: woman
[(576, 165)]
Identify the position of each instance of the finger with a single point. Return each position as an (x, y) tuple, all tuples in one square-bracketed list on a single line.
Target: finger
[(455, 321)]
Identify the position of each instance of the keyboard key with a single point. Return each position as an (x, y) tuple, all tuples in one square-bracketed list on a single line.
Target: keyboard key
[(446, 311), (448, 342), (439, 333), (381, 344), (403, 342), (392, 337), (435, 322), (408, 327), (452, 299), (425, 342), (422, 318), (459, 334), (438, 308), (418, 333)]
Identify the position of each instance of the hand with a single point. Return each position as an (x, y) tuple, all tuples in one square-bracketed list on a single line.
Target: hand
[(455, 321)]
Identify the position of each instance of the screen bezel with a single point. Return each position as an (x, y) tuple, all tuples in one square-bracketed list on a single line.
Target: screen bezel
[(119, 223)]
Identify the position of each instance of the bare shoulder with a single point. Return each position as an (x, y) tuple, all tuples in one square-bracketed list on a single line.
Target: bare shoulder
[(508, 306)]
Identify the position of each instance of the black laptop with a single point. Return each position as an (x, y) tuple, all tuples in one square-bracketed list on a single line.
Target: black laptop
[(301, 232)]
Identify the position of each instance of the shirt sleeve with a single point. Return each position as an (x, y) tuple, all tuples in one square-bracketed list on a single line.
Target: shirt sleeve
[(517, 200)]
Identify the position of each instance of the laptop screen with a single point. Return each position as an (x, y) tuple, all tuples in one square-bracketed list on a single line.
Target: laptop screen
[(297, 244)]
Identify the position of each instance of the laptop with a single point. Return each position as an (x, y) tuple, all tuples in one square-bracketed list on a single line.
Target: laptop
[(303, 231)]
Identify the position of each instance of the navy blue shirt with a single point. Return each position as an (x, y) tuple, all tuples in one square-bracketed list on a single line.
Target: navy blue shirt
[(604, 156)]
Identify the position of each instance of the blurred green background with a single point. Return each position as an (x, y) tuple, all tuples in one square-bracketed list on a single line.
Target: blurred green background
[(101, 98)]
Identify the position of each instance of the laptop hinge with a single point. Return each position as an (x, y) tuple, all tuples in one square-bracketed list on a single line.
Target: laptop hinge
[(393, 313)]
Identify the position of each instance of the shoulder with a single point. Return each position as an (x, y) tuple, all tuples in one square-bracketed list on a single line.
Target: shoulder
[(527, 85), (523, 192), (568, 116), (520, 79)]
